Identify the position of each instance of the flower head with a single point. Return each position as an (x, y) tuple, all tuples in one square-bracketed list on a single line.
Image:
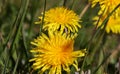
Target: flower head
[(113, 25), (62, 19), (55, 53), (107, 6)]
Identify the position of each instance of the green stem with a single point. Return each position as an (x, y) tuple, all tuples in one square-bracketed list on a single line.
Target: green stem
[(24, 6), (11, 33), (18, 23), (14, 71), (24, 9)]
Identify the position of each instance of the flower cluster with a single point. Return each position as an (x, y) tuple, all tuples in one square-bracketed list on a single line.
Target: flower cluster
[(106, 7), (54, 52)]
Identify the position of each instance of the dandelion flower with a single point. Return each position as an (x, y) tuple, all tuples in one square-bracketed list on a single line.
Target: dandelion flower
[(55, 53), (107, 6), (62, 19), (113, 25)]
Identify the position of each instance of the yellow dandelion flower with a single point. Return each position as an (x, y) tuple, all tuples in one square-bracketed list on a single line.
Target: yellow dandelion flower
[(55, 53), (107, 6), (113, 24), (62, 19)]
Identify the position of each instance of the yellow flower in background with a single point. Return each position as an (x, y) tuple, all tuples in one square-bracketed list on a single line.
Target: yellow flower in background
[(107, 6), (55, 53), (113, 25), (62, 19)]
